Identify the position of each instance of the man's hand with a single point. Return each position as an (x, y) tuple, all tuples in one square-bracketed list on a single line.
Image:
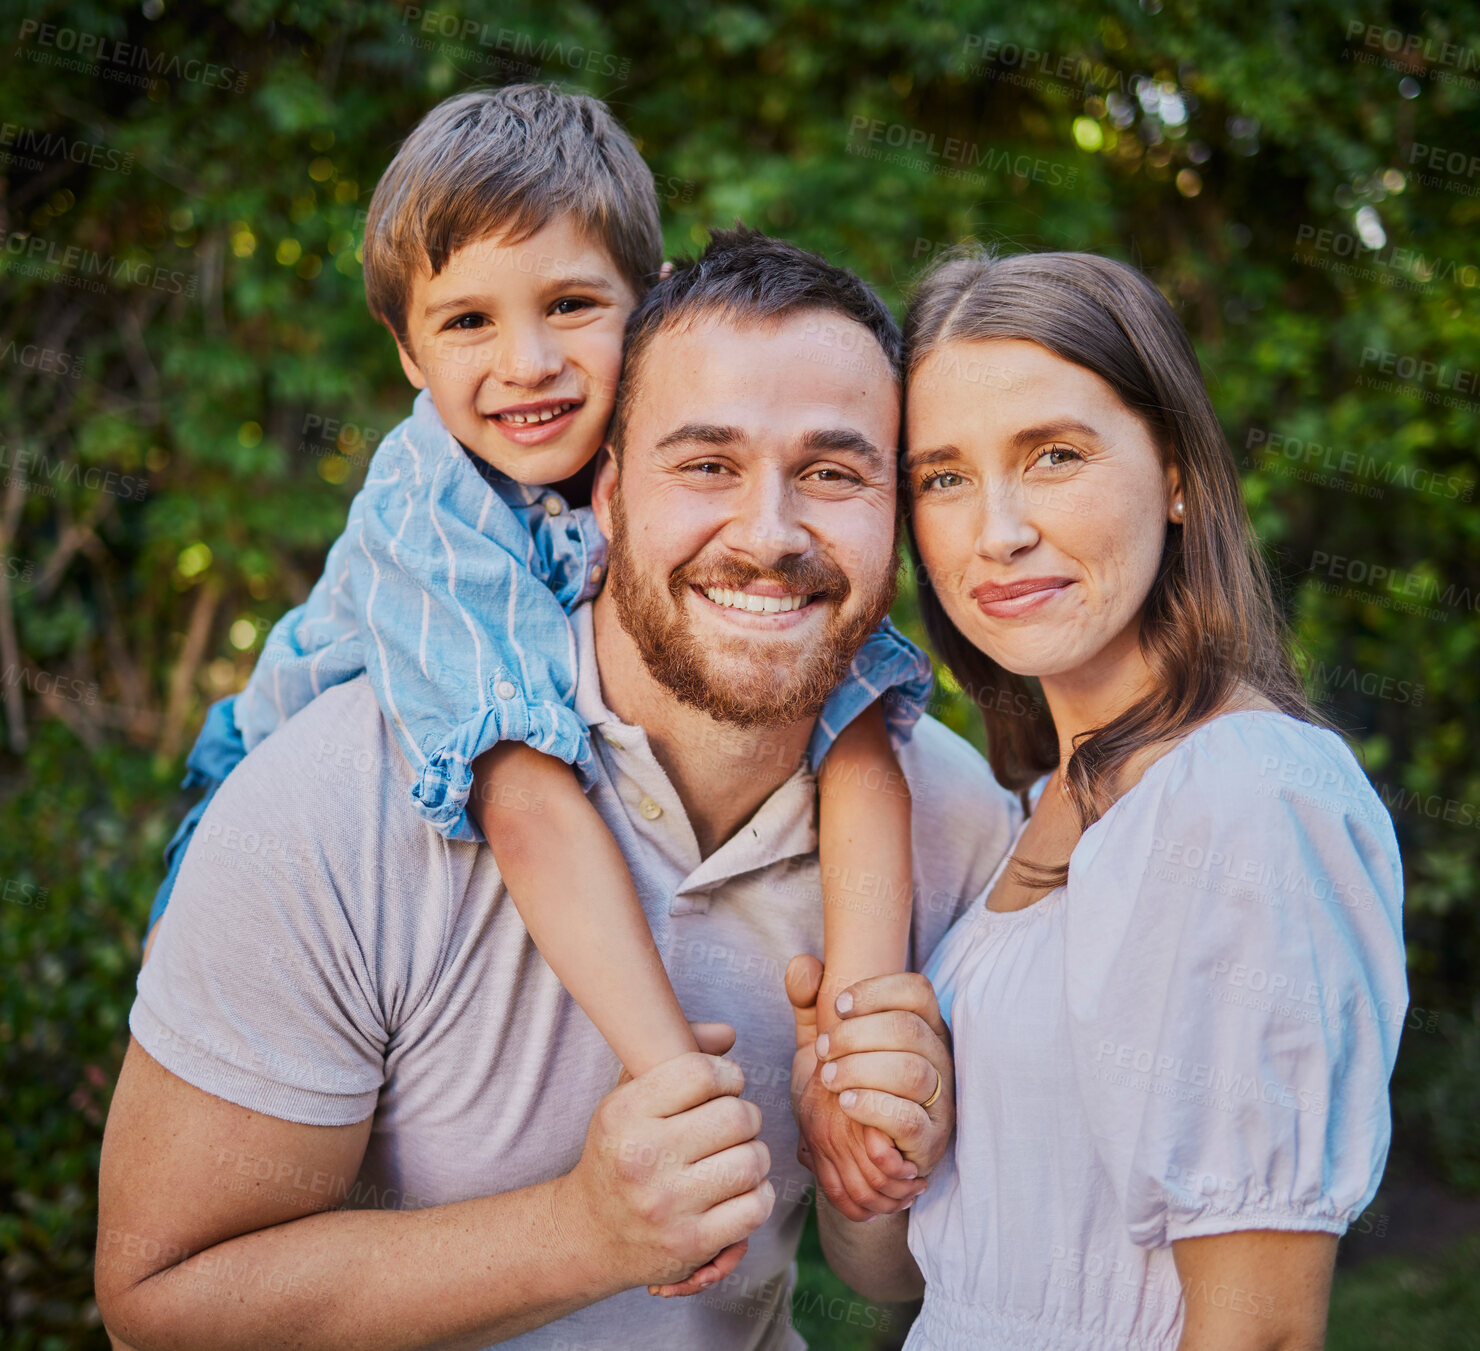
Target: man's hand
[(856, 1164), (672, 1173)]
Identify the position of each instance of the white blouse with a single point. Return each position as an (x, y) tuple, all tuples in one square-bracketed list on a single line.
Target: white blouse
[(1194, 1036)]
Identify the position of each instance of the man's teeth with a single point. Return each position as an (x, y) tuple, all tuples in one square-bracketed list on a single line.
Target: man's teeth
[(544, 415), (758, 605)]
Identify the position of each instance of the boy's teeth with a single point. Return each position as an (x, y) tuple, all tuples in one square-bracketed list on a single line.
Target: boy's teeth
[(760, 605), (521, 419)]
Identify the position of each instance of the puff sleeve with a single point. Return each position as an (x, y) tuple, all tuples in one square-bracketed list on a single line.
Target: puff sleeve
[(1236, 984)]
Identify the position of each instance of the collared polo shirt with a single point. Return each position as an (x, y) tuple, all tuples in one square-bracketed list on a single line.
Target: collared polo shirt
[(328, 957)]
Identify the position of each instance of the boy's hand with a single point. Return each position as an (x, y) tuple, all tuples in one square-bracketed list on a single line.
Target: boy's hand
[(860, 1161), (889, 1056), (858, 1167)]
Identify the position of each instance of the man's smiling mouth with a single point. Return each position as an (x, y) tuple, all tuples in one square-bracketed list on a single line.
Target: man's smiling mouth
[(756, 605)]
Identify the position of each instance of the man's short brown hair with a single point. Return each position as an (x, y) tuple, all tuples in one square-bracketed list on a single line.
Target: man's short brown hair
[(507, 161), (748, 277)]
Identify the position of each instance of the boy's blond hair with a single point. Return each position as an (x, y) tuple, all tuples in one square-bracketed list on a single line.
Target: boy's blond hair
[(507, 161)]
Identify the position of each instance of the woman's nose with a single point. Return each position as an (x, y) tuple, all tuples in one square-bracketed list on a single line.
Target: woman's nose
[(1007, 526)]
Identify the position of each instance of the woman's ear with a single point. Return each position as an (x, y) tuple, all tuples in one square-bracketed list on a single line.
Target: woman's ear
[(1176, 503), (603, 488)]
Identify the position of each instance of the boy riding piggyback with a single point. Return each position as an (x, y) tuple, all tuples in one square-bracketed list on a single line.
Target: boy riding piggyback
[(506, 245)]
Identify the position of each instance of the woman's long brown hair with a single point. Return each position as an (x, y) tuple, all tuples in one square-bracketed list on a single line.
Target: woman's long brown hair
[(1210, 624)]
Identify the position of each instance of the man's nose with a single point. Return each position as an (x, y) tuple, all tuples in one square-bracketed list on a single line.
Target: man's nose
[(766, 523), (526, 358)]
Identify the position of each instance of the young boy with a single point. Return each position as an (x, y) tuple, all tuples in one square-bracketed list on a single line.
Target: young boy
[(505, 247)]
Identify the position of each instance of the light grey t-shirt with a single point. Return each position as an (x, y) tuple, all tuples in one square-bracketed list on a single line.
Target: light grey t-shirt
[(327, 956)]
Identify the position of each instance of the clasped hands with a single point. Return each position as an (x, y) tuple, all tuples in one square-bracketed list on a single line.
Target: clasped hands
[(673, 1178)]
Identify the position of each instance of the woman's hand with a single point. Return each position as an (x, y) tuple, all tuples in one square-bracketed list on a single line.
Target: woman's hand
[(880, 1065)]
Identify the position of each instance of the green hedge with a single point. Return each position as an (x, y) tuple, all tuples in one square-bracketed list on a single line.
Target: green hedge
[(183, 322)]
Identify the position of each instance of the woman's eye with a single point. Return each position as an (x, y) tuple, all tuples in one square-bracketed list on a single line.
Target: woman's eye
[(943, 478), (1057, 456), (571, 305)]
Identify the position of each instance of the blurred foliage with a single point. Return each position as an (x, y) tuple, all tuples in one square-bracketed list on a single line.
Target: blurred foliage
[(189, 385), (1397, 1304)]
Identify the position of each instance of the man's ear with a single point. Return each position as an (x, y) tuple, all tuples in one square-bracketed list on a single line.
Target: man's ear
[(604, 487), (408, 363)]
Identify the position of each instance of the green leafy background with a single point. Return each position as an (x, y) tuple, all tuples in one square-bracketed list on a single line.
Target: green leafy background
[(168, 491)]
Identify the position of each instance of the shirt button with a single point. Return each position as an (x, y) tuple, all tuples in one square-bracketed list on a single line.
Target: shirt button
[(596, 573), (650, 809), (505, 689), (552, 506)]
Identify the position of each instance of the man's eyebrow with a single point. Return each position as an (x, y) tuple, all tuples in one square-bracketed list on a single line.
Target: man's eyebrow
[(700, 433), (843, 438)]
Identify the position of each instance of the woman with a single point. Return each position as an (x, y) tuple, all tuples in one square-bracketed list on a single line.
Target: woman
[(1176, 1009)]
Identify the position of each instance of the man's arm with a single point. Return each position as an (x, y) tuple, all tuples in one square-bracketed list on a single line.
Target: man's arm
[(191, 1253)]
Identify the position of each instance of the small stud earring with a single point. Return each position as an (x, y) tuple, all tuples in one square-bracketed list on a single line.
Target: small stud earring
[(1179, 509)]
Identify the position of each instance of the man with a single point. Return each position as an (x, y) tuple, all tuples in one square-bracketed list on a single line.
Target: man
[(359, 1110)]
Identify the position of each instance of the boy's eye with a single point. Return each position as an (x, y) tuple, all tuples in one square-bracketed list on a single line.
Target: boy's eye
[(571, 305), (467, 322)]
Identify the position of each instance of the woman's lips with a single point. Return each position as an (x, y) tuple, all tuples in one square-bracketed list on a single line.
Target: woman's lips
[(1012, 599)]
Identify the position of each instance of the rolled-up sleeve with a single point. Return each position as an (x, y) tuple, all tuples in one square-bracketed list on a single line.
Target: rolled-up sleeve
[(464, 643)]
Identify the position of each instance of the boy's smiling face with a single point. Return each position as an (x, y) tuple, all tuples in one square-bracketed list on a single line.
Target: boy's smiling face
[(521, 347)]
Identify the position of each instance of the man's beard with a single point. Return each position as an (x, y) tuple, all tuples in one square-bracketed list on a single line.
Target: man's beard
[(771, 692)]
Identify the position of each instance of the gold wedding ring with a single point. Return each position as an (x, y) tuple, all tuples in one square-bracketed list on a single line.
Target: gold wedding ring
[(934, 1095)]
